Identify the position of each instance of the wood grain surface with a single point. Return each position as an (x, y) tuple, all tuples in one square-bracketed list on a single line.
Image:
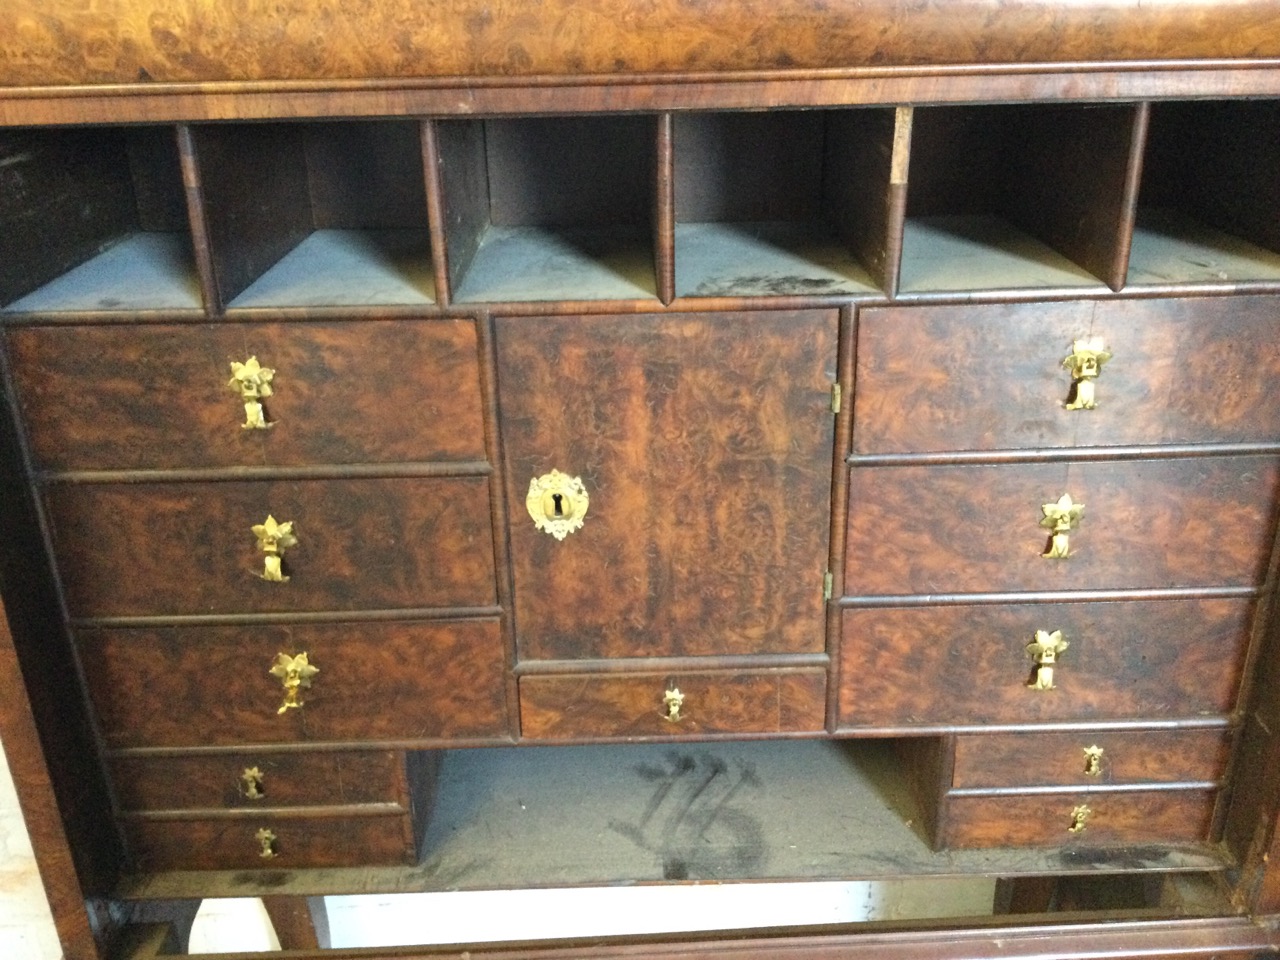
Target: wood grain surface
[(968, 664), (1057, 759), (705, 445), (1154, 523), (189, 548), (991, 377), (556, 708), (195, 686), (119, 41), (149, 397)]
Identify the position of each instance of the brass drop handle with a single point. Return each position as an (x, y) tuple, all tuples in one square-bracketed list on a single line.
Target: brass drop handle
[(1045, 650), (252, 382), (1079, 819), (1085, 365), (294, 674), (1093, 761), (267, 841), (672, 701), (252, 779), (557, 503), (273, 539), (1060, 518)]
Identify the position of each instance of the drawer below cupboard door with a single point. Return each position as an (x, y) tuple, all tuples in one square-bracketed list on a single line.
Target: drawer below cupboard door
[(194, 686), (969, 663)]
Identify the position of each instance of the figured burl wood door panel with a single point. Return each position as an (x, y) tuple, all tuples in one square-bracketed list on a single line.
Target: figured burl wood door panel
[(705, 444)]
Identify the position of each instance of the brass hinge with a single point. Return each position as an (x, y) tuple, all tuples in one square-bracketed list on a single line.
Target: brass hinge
[(835, 398), (828, 585)]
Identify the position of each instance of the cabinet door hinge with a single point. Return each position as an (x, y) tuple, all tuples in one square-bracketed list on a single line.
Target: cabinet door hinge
[(835, 398), (828, 585)]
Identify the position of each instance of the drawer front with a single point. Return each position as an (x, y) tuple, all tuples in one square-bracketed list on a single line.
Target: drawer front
[(992, 377), (1194, 522), (1087, 758), (118, 398), (235, 843), (192, 686), (259, 779), (969, 663), (189, 548), (557, 708), (1045, 820)]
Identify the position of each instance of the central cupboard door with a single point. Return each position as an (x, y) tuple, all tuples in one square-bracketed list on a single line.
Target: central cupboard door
[(704, 443)]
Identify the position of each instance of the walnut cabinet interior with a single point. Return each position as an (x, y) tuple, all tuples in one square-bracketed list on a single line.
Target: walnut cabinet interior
[(828, 487)]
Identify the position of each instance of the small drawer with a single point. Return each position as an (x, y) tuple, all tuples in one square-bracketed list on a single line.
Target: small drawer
[(261, 779), (1191, 522), (1077, 819), (191, 548), (976, 663), (672, 705), (193, 686), (1087, 759), (992, 377), (240, 842), (149, 397)]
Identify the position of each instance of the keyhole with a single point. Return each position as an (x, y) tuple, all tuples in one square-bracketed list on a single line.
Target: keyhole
[(557, 499)]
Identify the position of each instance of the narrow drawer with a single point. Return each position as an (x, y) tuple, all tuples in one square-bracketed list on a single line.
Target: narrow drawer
[(640, 705), (146, 397), (1194, 522), (261, 779), (1046, 820), (238, 842), (969, 663), (190, 548), (192, 686), (1087, 759), (989, 377)]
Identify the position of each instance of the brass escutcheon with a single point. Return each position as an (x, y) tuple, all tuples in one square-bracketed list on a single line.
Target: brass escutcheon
[(1093, 761), (252, 779), (1085, 364), (295, 675), (267, 840), (1060, 518), (673, 700), (557, 502), (1079, 819), (1044, 650), (273, 539), (252, 382)]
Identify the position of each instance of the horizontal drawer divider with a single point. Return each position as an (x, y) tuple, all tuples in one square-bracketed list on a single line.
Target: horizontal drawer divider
[(1051, 596), (672, 664), (319, 746), (463, 468), (1054, 454), (276, 813), (1079, 788), (877, 731), (325, 616)]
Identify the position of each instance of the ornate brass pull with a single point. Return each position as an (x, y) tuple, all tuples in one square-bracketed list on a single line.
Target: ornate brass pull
[(252, 382), (1079, 819), (1093, 761), (267, 840), (295, 675), (252, 779), (1060, 518), (557, 502), (1044, 650), (673, 700), (273, 539), (1085, 364)]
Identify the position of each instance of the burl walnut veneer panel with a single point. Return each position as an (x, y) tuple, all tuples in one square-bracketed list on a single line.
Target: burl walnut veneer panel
[(117, 398), (194, 686), (969, 664), (705, 445), (991, 376), (189, 548), (1194, 522)]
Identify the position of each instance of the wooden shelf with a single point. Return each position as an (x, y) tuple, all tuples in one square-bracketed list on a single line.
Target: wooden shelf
[(1169, 247)]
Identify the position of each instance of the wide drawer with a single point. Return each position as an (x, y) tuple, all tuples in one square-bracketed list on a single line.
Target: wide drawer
[(938, 378), (134, 397), (1047, 820), (1193, 522), (238, 842), (261, 779), (969, 663), (1090, 759), (189, 686), (190, 548), (640, 705)]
